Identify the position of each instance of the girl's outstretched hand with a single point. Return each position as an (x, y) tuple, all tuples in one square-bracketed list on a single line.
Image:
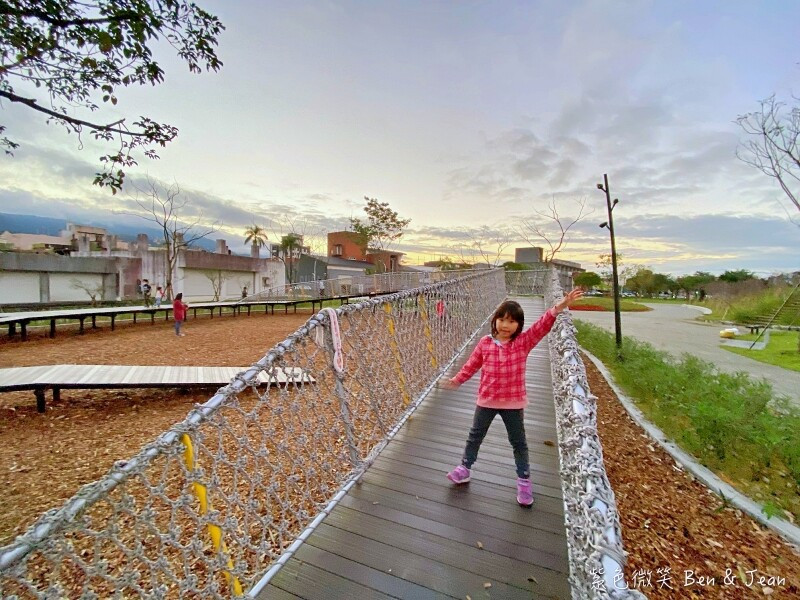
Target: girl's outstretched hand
[(448, 384), (569, 300)]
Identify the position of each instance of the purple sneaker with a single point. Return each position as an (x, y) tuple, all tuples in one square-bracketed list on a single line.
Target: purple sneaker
[(524, 492), (459, 475)]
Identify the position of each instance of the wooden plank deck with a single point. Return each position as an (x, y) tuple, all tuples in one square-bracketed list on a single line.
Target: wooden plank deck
[(122, 376), (406, 532)]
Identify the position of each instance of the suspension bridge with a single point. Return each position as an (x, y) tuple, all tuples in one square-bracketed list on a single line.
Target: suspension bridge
[(331, 484)]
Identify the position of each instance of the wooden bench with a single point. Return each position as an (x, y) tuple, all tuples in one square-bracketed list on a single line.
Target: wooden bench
[(58, 377)]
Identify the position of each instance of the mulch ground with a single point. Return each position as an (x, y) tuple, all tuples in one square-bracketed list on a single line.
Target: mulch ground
[(674, 529), (677, 533), (45, 458)]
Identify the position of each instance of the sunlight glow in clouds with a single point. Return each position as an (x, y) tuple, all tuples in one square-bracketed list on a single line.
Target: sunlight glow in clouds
[(462, 115)]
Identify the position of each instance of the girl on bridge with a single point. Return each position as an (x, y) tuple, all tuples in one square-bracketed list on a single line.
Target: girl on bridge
[(501, 357)]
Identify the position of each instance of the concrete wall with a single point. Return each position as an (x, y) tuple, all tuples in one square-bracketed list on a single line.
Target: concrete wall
[(62, 286), (198, 286), (30, 278), (19, 287)]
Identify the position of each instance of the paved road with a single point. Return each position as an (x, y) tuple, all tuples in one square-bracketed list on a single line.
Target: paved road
[(673, 328)]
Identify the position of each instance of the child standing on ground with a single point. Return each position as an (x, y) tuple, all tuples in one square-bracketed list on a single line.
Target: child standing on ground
[(159, 296), (179, 308), (501, 358)]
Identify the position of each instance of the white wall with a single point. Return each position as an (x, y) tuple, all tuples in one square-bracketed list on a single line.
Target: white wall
[(18, 287), (61, 289), (196, 286)]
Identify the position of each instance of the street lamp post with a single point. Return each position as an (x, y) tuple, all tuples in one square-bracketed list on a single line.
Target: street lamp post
[(610, 225)]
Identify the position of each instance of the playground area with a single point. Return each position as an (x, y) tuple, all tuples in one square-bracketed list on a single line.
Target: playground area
[(46, 458), (78, 439)]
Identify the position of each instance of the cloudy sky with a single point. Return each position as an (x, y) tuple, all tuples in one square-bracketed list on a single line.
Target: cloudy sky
[(462, 115)]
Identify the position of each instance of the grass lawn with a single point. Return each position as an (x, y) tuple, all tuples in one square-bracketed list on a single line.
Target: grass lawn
[(781, 350), (733, 424), (603, 304)]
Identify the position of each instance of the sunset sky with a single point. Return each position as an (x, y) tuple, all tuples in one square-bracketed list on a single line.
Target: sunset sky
[(461, 115)]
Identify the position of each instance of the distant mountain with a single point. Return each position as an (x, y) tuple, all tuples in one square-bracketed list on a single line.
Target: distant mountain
[(49, 226), (31, 224)]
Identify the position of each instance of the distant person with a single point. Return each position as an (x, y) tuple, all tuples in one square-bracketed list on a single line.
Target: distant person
[(146, 291), (179, 308), (244, 292), (501, 357), (321, 288), (159, 296), (441, 310)]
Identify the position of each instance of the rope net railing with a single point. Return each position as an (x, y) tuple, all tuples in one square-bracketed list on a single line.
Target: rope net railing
[(206, 509), (594, 539), (357, 285), (531, 282)]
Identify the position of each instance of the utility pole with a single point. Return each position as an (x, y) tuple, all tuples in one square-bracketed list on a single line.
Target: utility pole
[(610, 225)]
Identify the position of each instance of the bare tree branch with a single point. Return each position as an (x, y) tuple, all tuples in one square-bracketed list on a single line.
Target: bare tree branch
[(161, 205), (773, 146), (489, 243), (551, 227)]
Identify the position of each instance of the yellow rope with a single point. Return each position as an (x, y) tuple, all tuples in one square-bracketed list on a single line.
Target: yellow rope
[(214, 530), (427, 330), (398, 359)]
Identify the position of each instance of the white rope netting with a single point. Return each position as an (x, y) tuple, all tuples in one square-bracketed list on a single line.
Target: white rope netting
[(206, 509), (594, 539)]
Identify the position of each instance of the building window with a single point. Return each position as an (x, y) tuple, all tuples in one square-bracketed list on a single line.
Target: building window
[(337, 250)]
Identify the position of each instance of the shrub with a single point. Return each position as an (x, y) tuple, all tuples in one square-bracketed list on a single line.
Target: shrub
[(730, 422)]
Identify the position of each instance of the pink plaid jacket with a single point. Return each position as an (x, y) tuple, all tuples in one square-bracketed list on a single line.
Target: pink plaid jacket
[(503, 366)]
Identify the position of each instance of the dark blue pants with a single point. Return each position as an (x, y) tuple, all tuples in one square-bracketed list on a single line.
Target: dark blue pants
[(515, 427)]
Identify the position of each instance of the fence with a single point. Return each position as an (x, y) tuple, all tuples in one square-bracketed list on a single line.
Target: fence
[(527, 283), (216, 501), (594, 540), (358, 285)]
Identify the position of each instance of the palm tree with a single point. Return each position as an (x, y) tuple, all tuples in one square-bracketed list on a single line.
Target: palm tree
[(290, 243), (256, 235)]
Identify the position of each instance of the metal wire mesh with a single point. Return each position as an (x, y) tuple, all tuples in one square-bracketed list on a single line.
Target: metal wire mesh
[(205, 509)]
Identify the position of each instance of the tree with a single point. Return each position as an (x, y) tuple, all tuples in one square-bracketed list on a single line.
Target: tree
[(624, 272), (647, 282), (588, 280), (81, 52), (551, 227), (489, 243), (382, 227), (290, 246), (257, 236), (695, 283), (774, 145), (162, 206), (734, 276), (93, 290), (217, 279)]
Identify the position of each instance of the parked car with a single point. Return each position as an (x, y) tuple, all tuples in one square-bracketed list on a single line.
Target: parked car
[(593, 293), (628, 295)]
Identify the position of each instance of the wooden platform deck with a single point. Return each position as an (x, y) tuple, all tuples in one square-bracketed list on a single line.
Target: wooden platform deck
[(24, 319), (406, 532), (58, 377)]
